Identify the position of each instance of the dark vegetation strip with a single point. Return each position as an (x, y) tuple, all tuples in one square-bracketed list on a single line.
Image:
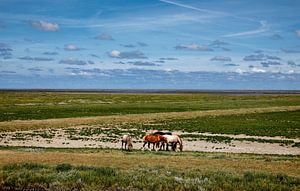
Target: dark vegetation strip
[(32, 176), (49, 105), (200, 155), (225, 139)]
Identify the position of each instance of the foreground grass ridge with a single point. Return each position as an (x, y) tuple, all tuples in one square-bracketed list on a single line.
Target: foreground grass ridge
[(34, 176)]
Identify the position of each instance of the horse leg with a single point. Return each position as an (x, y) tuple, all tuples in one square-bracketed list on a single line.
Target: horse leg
[(174, 146), (126, 145), (143, 147), (162, 145), (122, 145), (156, 146)]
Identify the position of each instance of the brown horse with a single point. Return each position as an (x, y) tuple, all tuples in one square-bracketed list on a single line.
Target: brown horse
[(155, 139)]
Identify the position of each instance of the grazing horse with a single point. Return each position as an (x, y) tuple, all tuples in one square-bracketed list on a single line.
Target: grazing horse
[(154, 139), (127, 141), (173, 140)]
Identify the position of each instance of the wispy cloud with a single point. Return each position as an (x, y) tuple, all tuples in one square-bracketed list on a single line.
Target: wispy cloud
[(95, 56), (276, 37), (35, 69), (73, 61), (221, 58), (298, 33), (128, 45), (142, 44), (71, 47), (29, 58), (8, 72), (127, 55), (258, 57), (5, 51), (270, 63), (168, 58), (44, 25), (292, 63), (290, 50), (193, 46), (104, 37), (231, 65), (141, 63), (218, 43), (50, 53), (272, 57)]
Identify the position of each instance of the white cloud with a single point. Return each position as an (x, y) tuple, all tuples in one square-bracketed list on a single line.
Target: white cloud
[(115, 54), (240, 71), (71, 47), (192, 46), (45, 26), (257, 70), (127, 55)]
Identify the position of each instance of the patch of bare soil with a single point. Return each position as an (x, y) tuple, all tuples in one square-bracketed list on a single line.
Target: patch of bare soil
[(105, 138)]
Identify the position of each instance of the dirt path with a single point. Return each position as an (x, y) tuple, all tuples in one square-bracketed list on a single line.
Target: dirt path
[(67, 122)]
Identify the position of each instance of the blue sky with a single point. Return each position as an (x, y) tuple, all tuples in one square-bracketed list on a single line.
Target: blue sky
[(150, 44)]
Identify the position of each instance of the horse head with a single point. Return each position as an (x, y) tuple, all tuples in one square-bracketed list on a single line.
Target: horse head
[(130, 146)]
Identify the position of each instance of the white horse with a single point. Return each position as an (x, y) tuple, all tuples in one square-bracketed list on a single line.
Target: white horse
[(127, 141), (173, 140)]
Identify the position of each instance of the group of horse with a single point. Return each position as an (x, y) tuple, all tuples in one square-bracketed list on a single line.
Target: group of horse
[(159, 140)]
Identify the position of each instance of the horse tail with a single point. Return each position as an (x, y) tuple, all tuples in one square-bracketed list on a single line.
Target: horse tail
[(180, 143), (144, 138)]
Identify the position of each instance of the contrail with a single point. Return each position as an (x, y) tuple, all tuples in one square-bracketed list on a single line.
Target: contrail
[(263, 28), (193, 8)]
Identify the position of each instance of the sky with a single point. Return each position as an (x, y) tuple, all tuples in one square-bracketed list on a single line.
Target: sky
[(150, 44)]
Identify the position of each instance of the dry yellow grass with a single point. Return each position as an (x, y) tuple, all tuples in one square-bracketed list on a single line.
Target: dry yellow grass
[(72, 122), (122, 160)]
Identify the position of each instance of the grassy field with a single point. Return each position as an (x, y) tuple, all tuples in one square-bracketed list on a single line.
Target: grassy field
[(108, 169), (43, 105), (285, 124), (92, 169)]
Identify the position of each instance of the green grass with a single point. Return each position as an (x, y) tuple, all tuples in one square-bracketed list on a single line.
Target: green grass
[(30, 176), (43, 105), (285, 124)]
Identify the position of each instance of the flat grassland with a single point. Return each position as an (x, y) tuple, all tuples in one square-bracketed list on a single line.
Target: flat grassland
[(53, 105), (275, 119)]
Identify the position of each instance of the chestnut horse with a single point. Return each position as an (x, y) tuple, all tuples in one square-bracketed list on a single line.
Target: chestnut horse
[(127, 140), (155, 139)]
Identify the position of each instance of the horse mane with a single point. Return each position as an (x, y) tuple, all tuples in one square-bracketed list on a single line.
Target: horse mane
[(162, 133)]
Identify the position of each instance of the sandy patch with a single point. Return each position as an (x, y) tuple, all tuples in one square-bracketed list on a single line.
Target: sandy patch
[(106, 138)]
